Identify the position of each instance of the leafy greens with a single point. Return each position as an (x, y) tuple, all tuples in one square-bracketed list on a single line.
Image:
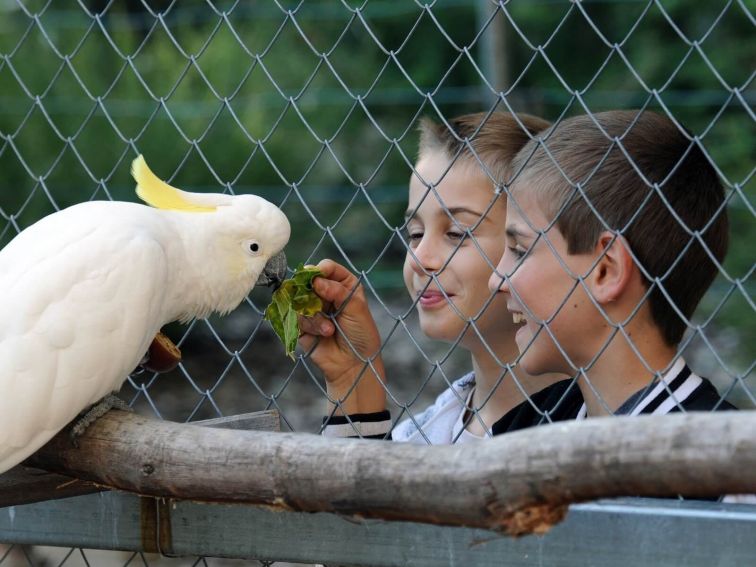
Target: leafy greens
[(294, 297)]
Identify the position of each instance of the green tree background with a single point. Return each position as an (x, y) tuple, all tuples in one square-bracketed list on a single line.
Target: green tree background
[(314, 105)]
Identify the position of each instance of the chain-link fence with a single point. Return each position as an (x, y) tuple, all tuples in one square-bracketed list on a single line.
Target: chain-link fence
[(315, 106)]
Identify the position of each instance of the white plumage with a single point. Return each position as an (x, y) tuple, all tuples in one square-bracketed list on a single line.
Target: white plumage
[(84, 291)]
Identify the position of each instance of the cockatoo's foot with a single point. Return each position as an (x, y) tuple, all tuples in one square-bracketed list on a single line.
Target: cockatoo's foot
[(88, 417)]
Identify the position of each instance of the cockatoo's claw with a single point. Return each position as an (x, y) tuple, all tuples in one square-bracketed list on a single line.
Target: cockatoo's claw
[(89, 416)]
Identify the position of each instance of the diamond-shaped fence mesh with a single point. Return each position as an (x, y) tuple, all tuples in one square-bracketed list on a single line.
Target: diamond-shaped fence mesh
[(315, 106)]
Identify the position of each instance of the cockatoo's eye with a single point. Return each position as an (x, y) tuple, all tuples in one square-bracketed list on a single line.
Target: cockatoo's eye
[(254, 247)]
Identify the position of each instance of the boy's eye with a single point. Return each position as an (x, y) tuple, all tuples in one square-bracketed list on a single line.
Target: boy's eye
[(459, 232), (518, 253), (414, 237)]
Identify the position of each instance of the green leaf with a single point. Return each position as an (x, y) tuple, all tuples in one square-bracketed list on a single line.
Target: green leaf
[(294, 297), (291, 331)]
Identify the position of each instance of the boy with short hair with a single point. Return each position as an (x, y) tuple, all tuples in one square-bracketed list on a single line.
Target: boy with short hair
[(616, 226), (455, 236)]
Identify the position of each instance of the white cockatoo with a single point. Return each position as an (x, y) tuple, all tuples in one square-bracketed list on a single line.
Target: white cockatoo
[(85, 290)]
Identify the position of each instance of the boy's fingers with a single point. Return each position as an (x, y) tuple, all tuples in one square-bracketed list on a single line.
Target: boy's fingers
[(317, 326), (308, 325), (306, 342), (333, 292), (336, 272), (336, 284)]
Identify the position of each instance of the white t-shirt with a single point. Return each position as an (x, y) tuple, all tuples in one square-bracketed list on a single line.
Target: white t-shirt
[(443, 422)]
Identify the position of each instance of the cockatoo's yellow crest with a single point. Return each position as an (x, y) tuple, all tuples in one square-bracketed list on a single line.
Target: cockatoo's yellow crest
[(159, 194)]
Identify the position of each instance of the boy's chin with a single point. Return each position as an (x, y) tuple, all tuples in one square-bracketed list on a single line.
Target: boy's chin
[(440, 328), (535, 364), (437, 334)]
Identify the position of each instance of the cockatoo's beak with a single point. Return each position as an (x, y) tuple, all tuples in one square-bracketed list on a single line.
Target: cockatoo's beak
[(274, 272)]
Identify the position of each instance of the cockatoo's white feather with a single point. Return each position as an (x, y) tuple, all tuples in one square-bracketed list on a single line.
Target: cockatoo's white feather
[(84, 291)]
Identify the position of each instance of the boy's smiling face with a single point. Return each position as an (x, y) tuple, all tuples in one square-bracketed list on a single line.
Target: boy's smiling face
[(543, 292), (436, 233)]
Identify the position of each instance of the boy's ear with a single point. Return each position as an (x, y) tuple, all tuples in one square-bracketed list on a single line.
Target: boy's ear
[(614, 270)]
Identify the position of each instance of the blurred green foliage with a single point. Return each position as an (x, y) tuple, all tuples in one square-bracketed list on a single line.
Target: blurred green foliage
[(313, 105)]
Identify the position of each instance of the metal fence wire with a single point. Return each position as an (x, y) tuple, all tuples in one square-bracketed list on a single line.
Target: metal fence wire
[(315, 106)]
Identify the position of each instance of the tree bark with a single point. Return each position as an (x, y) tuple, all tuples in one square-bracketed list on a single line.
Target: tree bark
[(25, 485), (517, 483)]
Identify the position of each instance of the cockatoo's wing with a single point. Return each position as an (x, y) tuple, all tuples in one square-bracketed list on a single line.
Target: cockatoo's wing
[(80, 300)]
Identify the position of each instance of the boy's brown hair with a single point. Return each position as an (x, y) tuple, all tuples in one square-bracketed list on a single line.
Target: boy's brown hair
[(675, 220), (494, 139)]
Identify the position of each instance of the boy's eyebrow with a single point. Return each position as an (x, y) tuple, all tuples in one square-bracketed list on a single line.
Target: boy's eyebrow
[(451, 210), (515, 233)]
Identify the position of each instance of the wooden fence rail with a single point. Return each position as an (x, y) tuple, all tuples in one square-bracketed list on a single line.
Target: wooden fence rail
[(517, 483)]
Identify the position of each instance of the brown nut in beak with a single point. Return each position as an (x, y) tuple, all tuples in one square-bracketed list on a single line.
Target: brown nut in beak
[(162, 356)]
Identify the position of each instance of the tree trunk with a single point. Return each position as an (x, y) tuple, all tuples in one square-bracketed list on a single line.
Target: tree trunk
[(25, 485), (519, 483)]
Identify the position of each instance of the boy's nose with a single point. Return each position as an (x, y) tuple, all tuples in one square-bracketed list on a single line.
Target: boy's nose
[(425, 257), (497, 282)]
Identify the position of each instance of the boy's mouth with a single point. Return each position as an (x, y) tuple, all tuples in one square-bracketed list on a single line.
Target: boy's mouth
[(432, 297), (518, 318)]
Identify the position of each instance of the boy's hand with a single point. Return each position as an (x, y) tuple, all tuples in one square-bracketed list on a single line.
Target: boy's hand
[(339, 353)]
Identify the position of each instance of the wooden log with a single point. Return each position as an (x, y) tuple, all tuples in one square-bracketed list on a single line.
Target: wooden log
[(518, 483), (24, 484)]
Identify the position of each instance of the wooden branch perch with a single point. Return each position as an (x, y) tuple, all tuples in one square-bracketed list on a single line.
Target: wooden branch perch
[(25, 485), (518, 483)]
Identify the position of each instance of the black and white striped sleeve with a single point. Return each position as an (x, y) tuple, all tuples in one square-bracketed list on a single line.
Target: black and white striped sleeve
[(358, 425)]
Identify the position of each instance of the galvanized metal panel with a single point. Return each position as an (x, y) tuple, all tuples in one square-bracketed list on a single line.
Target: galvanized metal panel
[(99, 521), (627, 532)]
